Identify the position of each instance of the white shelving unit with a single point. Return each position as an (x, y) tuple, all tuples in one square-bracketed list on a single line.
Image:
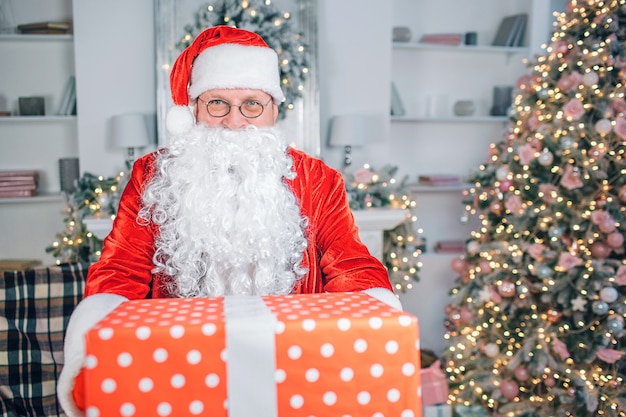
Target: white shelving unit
[(444, 143), (35, 65)]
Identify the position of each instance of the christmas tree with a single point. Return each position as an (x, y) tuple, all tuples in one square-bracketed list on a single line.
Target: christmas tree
[(536, 320)]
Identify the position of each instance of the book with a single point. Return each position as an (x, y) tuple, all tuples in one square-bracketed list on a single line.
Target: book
[(17, 193), (67, 104), (15, 186), (442, 38), (511, 31), (59, 27), (11, 265), (7, 175), (439, 180), (450, 246), (397, 108)]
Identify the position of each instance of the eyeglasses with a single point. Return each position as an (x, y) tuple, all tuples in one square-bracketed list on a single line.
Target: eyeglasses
[(250, 109)]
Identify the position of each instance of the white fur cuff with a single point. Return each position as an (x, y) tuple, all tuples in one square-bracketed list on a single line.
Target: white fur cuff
[(86, 315), (385, 296)]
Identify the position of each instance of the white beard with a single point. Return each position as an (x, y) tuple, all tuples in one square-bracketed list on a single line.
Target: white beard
[(228, 223)]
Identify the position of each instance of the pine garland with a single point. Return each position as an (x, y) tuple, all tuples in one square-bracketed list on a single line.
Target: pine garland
[(91, 195)]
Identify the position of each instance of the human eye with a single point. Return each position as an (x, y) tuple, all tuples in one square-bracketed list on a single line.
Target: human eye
[(252, 103), (217, 102)]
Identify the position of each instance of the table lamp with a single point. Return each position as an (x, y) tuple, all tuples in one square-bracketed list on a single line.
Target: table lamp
[(130, 131), (350, 130)]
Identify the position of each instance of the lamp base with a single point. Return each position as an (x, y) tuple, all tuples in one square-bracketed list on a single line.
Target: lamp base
[(347, 156)]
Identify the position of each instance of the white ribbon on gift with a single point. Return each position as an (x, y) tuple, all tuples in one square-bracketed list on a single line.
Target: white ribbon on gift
[(251, 357)]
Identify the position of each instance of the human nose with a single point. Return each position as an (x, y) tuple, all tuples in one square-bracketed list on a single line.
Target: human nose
[(234, 119)]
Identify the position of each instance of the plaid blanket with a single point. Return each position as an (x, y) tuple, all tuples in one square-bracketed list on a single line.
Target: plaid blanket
[(35, 306)]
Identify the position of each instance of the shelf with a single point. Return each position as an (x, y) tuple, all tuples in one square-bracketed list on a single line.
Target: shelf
[(512, 50), (419, 188), (453, 119), (36, 119), (41, 198), (35, 37)]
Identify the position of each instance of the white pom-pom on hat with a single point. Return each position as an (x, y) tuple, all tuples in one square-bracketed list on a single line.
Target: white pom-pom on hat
[(179, 120)]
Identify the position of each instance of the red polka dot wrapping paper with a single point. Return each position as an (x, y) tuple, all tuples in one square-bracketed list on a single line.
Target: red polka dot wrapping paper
[(336, 354)]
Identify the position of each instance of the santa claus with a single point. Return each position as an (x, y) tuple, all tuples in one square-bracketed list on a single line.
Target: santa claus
[(227, 208)]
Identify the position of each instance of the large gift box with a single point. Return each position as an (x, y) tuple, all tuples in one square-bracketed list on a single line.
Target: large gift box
[(334, 354)]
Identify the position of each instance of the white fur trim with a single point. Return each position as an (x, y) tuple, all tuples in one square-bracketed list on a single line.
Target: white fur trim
[(384, 295), (86, 315), (179, 120), (236, 66)]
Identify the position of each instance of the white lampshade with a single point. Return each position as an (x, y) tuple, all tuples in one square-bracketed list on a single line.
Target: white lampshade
[(130, 131), (356, 129)]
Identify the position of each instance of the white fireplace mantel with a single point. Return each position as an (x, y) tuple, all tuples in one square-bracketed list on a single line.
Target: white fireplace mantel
[(373, 222)]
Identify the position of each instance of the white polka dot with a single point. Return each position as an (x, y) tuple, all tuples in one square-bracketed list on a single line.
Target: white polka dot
[(346, 374), (209, 329), (108, 385), (391, 347), (360, 345), (327, 350), (178, 381), (407, 413), (308, 325), (212, 380), (375, 323), (280, 327), (105, 333), (296, 401), (280, 375), (408, 369), (124, 359), (294, 352), (91, 361), (142, 332), (378, 415), (393, 395), (127, 410), (92, 412), (146, 385), (160, 355), (376, 370), (312, 375), (343, 324), (224, 355), (196, 407), (405, 320), (164, 409), (329, 398), (177, 331), (194, 357), (363, 397)]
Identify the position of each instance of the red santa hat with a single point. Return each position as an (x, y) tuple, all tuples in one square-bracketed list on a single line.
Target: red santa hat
[(220, 57)]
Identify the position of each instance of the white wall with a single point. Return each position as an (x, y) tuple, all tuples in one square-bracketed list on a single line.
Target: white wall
[(115, 74)]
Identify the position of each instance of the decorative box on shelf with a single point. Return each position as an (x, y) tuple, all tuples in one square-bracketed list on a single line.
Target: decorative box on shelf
[(294, 355)]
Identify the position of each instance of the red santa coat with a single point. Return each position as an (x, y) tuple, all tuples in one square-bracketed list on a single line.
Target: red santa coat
[(336, 258)]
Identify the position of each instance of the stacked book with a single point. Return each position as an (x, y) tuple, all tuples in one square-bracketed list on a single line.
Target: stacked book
[(18, 183), (48, 28), (439, 180), (442, 38), (450, 246)]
